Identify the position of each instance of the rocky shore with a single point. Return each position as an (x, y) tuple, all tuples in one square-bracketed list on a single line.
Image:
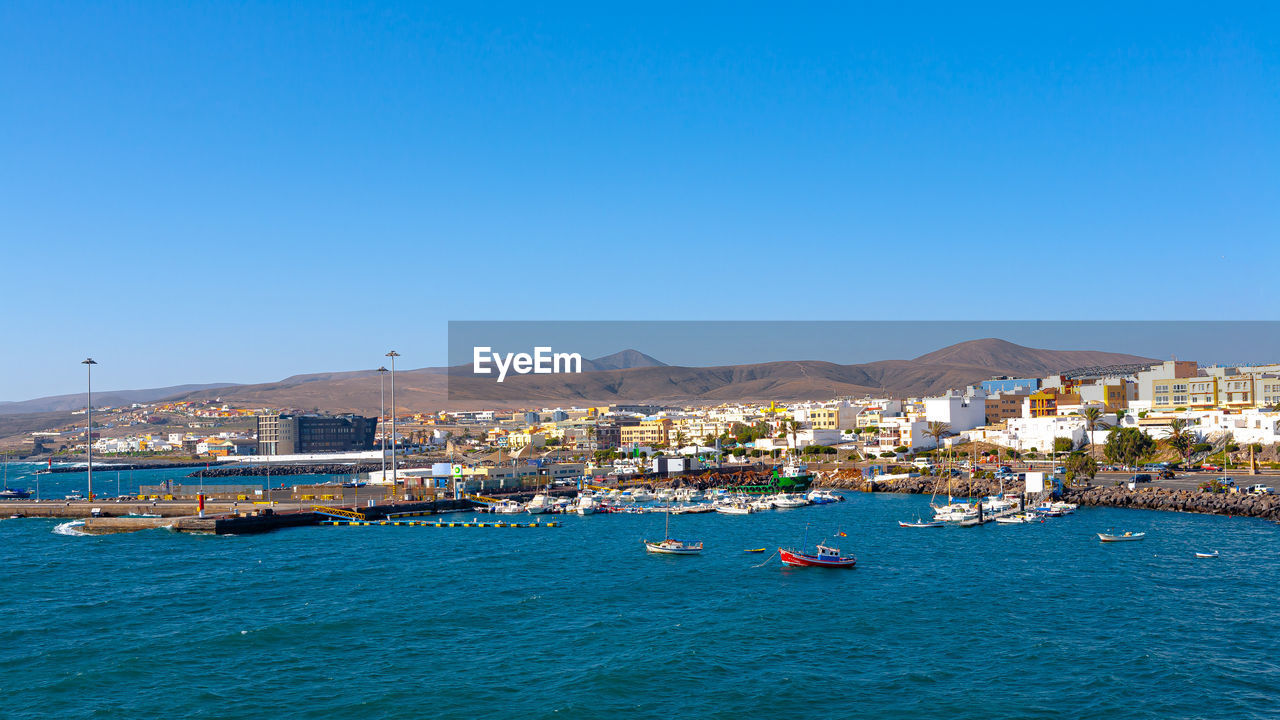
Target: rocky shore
[(1266, 507)]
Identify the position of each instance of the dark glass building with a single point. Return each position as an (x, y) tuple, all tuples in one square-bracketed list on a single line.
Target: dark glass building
[(297, 434)]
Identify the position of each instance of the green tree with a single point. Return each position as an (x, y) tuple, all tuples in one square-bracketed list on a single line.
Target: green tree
[(1092, 418), (1063, 445), (1078, 465), (1180, 439), (1128, 445)]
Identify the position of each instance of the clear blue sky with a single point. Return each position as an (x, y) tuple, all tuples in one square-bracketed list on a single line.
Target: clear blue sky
[(196, 192)]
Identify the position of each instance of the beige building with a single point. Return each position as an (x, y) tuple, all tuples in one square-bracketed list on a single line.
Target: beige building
[(648, 432), (1227, 391)]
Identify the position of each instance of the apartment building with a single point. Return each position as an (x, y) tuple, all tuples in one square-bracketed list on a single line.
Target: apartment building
[(647, 432), (1045, 402), (1004, 405)]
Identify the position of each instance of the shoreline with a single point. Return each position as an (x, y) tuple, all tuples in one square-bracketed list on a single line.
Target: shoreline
[(1264, 507)]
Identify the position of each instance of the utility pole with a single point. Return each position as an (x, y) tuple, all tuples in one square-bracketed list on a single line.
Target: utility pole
[(394, 481), (382, 418), (88, 415)]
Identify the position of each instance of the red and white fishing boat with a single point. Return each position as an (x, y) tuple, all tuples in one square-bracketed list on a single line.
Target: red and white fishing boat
[(824, 556)]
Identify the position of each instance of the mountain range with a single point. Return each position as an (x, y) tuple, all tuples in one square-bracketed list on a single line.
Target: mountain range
[(629, 376)]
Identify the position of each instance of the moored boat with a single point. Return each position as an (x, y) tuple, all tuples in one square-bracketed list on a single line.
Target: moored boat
[(1127, 537), (784, 501), (672, 546), (1213, 554), (1017, 519), (508, 507), (823, 556), (921, 524)]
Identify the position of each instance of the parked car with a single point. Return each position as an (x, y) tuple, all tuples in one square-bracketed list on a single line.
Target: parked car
[(1166, 475), (1140, 478), (1260, 490), (1211, 468)]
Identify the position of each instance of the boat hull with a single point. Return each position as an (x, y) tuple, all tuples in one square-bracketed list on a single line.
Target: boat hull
[(1121, 538), (659, 548), (796, 559)]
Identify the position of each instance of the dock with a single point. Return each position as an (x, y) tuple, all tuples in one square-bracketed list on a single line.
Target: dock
[(245, 520)]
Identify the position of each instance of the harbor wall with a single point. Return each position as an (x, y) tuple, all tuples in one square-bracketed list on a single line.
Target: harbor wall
[(1266, 507)]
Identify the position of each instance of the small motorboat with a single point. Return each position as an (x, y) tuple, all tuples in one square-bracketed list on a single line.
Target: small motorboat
[(783, 501), (508, 507), (823, 556), (1213, 554), (1127, 537), (1017, 519), (539, 504), (921, 523), (754, 550)]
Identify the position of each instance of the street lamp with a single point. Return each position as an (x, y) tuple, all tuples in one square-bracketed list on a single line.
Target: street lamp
[(382, 417), (88, 420), (394, 484)]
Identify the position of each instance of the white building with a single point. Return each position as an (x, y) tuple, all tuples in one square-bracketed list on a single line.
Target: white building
[(961, 412), (1026, 434), (1250, 426)]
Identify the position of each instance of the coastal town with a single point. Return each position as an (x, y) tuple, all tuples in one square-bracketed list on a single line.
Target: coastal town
[(1171, 423)]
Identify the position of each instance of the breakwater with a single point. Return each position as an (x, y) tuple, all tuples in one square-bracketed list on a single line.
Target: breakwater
[(1146, 498), (104, 466), (299, 469)]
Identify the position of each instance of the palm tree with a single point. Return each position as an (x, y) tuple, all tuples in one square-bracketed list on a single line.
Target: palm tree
[(1092, 419), (1179, 439), (937, 431)]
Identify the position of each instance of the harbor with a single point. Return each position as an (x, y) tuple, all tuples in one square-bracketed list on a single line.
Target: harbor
[(356, 588)]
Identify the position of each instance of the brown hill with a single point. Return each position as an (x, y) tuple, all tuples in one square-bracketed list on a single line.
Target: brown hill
[(439, 388), (1019, 360)]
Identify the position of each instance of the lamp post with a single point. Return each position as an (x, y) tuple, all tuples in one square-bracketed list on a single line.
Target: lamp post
[(382, 418), (394, 484), (88, 420)]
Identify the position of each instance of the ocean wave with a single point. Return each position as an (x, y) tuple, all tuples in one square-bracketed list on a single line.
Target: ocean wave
[(70, 527)]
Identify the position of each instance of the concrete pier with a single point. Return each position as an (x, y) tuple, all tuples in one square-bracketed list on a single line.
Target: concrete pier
[(219, 519)]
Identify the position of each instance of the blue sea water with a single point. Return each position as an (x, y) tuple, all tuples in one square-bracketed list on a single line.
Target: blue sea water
[(109, 482), (1025, 621)]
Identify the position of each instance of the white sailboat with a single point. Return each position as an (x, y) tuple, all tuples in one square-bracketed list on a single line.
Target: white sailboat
[(671, 546)]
